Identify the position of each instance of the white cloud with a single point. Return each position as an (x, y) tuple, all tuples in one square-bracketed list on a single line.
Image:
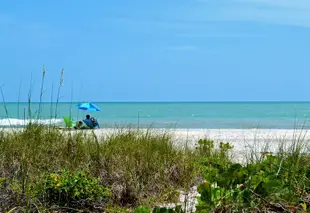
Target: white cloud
[(221, 35), (288, 4), (282, 12)]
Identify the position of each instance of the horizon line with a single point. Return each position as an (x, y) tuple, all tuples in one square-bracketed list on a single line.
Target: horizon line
[(68, 102)]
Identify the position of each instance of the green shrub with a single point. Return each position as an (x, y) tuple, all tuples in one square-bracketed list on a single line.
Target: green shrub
[(142, 209), (235, 187), (66, 187), (177, 209), (2, 182)]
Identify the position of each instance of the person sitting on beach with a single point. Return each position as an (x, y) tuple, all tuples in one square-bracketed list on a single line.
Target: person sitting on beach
[(81, 125), (95, 122), (78, 125), (88, 122)]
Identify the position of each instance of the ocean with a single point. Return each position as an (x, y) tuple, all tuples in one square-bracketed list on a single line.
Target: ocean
[(185, 115)]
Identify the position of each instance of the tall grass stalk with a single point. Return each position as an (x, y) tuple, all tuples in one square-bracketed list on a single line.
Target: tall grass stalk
[(78, 111), (29, 98), (58, 92), (41, 92), (51, 105), (71, 100), (18, 98), (24, 117), (4, 103), (138, 119)]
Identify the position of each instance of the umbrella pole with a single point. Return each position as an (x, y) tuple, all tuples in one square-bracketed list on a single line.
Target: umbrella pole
[(77, 116)]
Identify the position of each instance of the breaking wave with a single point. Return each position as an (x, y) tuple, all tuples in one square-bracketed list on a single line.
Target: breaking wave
[(8, 122)]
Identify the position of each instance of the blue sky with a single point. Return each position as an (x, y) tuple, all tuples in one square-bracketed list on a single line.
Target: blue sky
[(163, 50)]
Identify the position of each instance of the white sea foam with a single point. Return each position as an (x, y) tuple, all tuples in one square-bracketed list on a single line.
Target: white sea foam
[(21, 122)]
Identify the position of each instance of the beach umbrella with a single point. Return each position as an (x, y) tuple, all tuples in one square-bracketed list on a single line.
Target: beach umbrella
[(88, 107)]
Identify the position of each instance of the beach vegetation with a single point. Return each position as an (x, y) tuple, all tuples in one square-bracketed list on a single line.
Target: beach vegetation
[(277, 182), (128, 170), (66, 187), (44, 167)]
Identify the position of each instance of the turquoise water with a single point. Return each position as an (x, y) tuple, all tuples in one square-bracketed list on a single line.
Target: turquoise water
[(234, 115)]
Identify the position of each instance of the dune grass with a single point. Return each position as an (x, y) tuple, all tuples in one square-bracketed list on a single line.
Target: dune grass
[(137, 167), (43, 169)]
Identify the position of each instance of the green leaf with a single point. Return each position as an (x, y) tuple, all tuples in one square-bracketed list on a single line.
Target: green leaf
[(162, 210), (178, 209), (205, 192), (304, 206), (142, 209), (246, 195)]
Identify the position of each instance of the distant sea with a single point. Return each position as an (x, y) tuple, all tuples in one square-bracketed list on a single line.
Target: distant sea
[(188, 115)]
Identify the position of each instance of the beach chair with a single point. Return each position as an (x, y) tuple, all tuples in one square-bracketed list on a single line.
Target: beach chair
[(88, 123), (68, 121)]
